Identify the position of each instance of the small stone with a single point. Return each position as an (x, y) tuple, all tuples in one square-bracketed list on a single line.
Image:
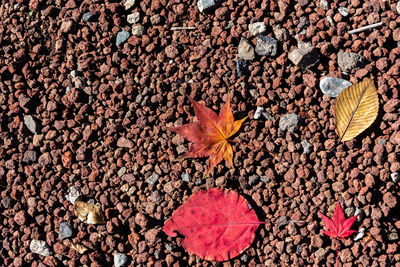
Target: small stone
[(120, 259), (307, 147), (170, 247), (333, 86), (65, 230), (153, 178), (155, 19), (205, 4), (343, 11), (121, 171), (393, 236), (21, 217), (122, 36), (30, 156), (299, 249), (304, 56), (40, 247), (128, 4), (124, 143), (282, 221), (280, 33), (257, 28), (244, 258), (171, 51), (258, 113), (324, 4), (241, 67), (320, 253), (395, 177), (87, 16), (253, 179), (186, 177), (155, 197), (73, 195), (360, 234), (349, 211), (266, 46), (137, 30), (30, 123), (349, 62), (133, 18), (398, 7), (198, 181), (66, 26), (289, 122), (245, 50)]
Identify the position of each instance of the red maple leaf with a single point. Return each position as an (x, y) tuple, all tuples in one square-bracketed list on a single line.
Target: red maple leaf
[(217, 224), (339, 227), (210, 134)]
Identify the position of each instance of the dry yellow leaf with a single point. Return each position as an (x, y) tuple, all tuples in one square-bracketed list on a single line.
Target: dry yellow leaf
[(89, 213), (356, 109), (78, 247)]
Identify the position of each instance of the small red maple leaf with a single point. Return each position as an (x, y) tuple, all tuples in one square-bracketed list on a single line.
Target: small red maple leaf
[(339, 227)]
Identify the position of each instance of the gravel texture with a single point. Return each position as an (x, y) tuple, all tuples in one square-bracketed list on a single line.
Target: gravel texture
[(79, 102)]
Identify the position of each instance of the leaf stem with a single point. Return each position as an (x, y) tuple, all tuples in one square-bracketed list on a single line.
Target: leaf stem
[(275, 155), (337, 251)]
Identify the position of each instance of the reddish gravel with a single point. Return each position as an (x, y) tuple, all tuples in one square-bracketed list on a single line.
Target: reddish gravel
[(100, 112)]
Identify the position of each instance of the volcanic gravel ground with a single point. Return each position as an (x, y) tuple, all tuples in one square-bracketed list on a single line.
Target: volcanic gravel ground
[(86, 99)]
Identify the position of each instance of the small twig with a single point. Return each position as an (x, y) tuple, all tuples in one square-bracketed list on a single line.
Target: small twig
[(371, 26), (182, 28)]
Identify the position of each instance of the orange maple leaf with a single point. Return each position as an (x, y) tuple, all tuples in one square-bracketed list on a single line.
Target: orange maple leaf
[(210, 133)]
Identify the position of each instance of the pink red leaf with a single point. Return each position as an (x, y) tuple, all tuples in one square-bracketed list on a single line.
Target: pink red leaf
[(338, 226), (217, 224), (210, 133)]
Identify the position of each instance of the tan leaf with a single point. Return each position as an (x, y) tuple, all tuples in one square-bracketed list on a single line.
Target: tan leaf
[(78, 247), (89, 213), (356, 109)]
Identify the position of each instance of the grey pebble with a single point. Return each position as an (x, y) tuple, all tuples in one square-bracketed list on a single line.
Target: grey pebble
[(360, 234), (128, 4), (122, 36), (120, 259), (186, 177), (198, 181), (137, 30), (349, 62), (324, 4), (30, 156), (304, 56), (282, 221), (65, 230), (299, 249), (307, 147), (170, 246), (266, 46), (258, 113), (381, 142), (155, 197), (332, 87), (253, 179), (398, 7), (343, 11), (395, 177), (30, 123), (87, 16), (241, 67), (121, 171), (244, 258), (153, 178), (289, 123), (393, 236), (205, 4)]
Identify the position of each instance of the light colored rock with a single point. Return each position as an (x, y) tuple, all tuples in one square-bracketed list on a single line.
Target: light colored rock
[(120, 259), (304, 56), (128, 4), (398, 7), (307, 147), (257, 28), (333, 86), (40, 247), (205, 4), (324, 4), (245, 50), (30, 123), (73, 195), (155, 19), (133, 18), (343, 11), (266, 46), (289, 122), (349, 62), (395, 177), (258, 113), (280, 33), (122, 36), (360, 234), (137, 30)]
